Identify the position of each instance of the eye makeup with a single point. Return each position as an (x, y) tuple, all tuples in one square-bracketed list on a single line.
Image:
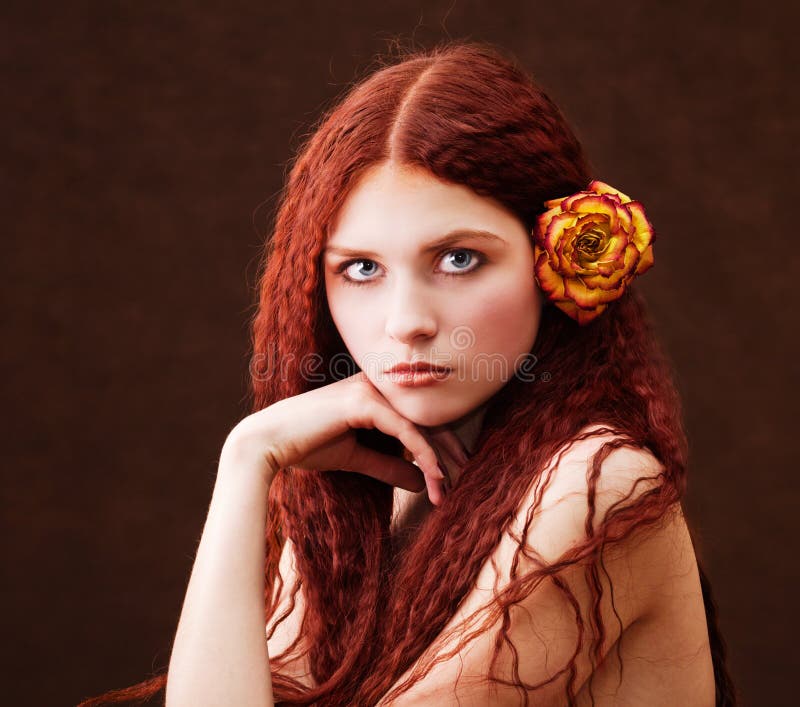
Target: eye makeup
[(477, 257)]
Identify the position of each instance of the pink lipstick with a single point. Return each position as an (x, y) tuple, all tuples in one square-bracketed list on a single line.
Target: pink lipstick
[(417, 374)]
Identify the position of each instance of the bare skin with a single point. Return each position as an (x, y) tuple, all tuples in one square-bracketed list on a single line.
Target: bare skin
[(664, 650), (219, 655), (403, 292), (316, 430), (663, 645)]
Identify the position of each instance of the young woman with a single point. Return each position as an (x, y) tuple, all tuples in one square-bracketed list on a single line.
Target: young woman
[(462, 479)]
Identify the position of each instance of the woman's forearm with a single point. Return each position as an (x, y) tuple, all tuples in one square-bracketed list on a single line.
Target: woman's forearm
[(219, 656)]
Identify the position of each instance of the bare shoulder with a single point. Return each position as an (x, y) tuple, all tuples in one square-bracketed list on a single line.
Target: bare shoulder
[(626, 473), (648, 573), (647, 562), (552, 515)]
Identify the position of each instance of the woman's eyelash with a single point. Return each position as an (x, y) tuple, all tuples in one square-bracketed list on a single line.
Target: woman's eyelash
[(350, 281)]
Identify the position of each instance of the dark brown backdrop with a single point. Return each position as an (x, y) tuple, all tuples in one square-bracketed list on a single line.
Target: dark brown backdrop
[(145, 145)]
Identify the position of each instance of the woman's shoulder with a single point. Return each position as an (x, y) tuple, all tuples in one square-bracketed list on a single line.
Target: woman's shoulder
[(625, 473), (553, 517), (545, 630), (590, 438)]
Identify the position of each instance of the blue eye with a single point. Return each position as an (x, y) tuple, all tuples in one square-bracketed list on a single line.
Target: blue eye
[(346, 265), (460, 261)]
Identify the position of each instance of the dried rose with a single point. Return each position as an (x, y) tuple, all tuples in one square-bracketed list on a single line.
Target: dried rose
[(588, 247)]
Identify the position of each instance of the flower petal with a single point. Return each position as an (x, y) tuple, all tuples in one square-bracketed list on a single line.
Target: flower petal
[(606, 282), (596, 203), (646, 261), (555, 229), (625, 218), (616, 248), (566, 205), (632, 257), (554, 203), (602, 188), (643, 229), (564, 255), (585, 297), (582, 316), (548, 280), (542, 222)]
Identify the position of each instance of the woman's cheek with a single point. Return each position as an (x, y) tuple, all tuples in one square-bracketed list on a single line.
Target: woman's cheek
[(362, 331), (503, 321)]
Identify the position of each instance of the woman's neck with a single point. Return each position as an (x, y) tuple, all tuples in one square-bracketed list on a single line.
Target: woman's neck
[(467, 429)]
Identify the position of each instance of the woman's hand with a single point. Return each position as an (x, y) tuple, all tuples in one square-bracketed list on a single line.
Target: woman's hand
[(316, 430)]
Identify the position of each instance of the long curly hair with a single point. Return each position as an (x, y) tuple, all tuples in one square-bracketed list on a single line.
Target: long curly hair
[(468, 114)]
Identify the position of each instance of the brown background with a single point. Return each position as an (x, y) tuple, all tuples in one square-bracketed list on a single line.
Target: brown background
[(146, 144)]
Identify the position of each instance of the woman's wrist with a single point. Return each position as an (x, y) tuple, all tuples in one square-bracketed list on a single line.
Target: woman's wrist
[(242, 456)]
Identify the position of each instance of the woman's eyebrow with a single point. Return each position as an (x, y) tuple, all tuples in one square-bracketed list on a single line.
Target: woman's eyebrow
[(458, 234)]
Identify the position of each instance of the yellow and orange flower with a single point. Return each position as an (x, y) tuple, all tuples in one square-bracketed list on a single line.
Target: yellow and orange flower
[(588, 247)]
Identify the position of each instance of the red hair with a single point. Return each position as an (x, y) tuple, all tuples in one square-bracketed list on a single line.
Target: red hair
[(467, 114)]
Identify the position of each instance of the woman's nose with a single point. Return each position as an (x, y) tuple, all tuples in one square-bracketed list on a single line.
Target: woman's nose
[(409, 313)]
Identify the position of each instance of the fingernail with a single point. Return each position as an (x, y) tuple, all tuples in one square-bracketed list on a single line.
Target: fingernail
[(442, 474)]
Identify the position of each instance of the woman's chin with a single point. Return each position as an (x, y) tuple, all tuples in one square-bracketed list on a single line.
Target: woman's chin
[(427, 412)]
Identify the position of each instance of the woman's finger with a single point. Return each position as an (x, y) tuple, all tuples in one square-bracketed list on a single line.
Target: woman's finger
[(396, 472), (372, 413), (449, 441), (391, 470)]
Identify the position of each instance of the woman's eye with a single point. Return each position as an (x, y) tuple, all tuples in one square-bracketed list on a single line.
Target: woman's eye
[(460, 259), (355, 274), (361, 271)]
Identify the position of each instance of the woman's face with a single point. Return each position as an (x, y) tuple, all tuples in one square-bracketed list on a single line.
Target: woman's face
[(407, 283)]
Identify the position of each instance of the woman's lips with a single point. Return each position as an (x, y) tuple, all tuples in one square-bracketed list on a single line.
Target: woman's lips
[(413, 379)]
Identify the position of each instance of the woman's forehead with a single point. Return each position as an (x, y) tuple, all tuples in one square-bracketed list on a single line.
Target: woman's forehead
[(404, 192), (391, 209)]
